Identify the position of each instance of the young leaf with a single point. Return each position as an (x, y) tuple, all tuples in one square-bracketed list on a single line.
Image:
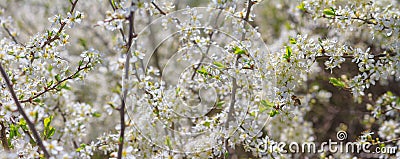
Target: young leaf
[(202, 71), (49, 132), (57, 77), (329, 12), (272, 113), (22, 124), (220, 104), (80, 63), (266, 103), (288, 53), (218, 64), (50, 83), (337, 82), (301, 6), (238, 51), (47, 121), (83, 42), (207, 124), (96, 114), (292, 41), (14, 131), (168, 141)]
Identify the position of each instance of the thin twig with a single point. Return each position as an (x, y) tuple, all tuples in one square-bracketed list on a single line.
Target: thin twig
[(62, 25), (126, 77), (153, 45), (209, 46), (11, 35), (366, 21), (54, 87), (121, 31), (158, 8), (234, 83), (351, 56), (22, 112)]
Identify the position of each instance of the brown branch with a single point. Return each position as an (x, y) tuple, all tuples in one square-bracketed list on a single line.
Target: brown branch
[(158, 8), (22, 112), (63, 24), (120, 30), (125, 93), (3, 137), (351, 56), (208, 47), (12, 36), (367, 21), (54, 87), (234, 83)]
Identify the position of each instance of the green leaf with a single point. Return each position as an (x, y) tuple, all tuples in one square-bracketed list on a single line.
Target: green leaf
[(50, 68), (96, 114), (117, 89), (78, 149), (57, 77), (49, 132), (267, 103), (288, 53), (207, 124), (47, 121), (81, 147), (292, 41), (226, 154), (262, 109), (21, 96), (177, 90), (337, 82), (83, 41), (50, 83), (272, 113), (253, 113), (218, 64), (238, 51), (301, 6), (329, 12), (22, 124), (80, 63), (49, 33), (202, 71), (13, 131), (168, 141), (220, 104), (113, 3)]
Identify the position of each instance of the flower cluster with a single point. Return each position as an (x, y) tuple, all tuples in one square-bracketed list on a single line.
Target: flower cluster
[(161, 80)]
